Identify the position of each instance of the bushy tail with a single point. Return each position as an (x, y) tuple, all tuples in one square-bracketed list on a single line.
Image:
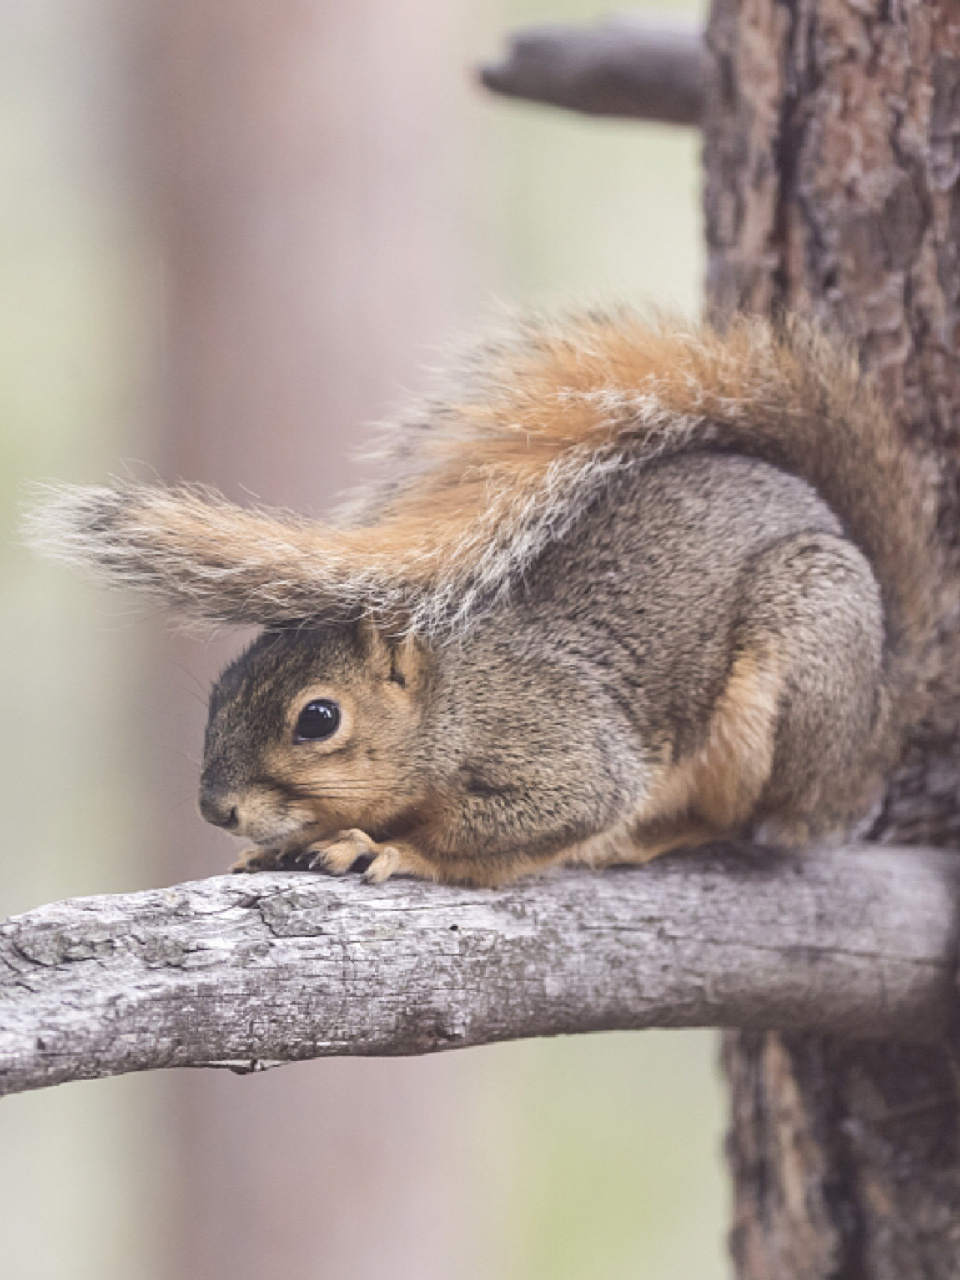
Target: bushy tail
[(536, 427), (209, 558)]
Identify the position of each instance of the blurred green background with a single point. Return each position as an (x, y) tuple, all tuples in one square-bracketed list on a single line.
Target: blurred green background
[(594, 1157)]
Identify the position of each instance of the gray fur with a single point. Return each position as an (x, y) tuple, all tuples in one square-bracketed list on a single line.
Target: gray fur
[(541, 730)]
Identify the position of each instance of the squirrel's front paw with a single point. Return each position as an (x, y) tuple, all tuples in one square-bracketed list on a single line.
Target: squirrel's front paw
[(273, 858), (340, 854), (347, 848), (388, 861), (258, 859), (346, 851)]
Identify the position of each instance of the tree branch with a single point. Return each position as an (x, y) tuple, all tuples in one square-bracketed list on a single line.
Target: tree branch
[(251, 971), (634, 67)]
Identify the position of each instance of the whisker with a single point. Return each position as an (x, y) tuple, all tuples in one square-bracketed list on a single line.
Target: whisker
[(342, 795)]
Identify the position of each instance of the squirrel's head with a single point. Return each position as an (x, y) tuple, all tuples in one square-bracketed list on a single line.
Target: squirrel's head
[(313, 730)]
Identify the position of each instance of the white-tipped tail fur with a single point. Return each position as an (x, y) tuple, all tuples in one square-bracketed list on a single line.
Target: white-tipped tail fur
[(493, 473), (208, 557)]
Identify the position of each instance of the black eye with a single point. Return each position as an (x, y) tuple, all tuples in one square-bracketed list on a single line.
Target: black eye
[(318, 720)]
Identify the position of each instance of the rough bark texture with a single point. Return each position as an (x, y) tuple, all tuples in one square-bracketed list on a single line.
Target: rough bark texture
[(252, 971), (832, 164), (636, 68)]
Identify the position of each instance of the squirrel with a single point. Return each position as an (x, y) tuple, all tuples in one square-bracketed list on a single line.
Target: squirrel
[(628, 587)]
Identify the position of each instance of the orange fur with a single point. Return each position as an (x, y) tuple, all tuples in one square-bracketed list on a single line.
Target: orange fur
[(712, 792), (507, 463)]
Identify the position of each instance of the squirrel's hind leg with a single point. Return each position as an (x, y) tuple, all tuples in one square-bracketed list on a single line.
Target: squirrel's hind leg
[(819, 604), (790, 741)]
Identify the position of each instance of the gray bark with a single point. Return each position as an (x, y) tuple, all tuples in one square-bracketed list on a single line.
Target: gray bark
[(251, 971), (638, 68)]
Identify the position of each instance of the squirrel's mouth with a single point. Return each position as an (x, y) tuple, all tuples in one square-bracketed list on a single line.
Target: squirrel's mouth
[(268, 827), (270, 817), (256, 814)]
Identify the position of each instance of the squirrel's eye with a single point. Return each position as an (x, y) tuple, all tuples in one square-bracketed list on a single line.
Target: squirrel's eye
[(319, 719)]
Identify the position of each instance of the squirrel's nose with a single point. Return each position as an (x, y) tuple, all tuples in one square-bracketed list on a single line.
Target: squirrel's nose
[(220, 809)]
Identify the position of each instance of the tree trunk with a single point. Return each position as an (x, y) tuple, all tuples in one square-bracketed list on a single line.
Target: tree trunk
[(300, 163), (832, 160)]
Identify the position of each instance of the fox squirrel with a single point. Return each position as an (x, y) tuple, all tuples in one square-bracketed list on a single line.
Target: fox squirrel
[(628, 587)]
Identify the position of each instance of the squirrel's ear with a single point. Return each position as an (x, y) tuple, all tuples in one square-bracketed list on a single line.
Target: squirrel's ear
[(207, 557), (393, 650)]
